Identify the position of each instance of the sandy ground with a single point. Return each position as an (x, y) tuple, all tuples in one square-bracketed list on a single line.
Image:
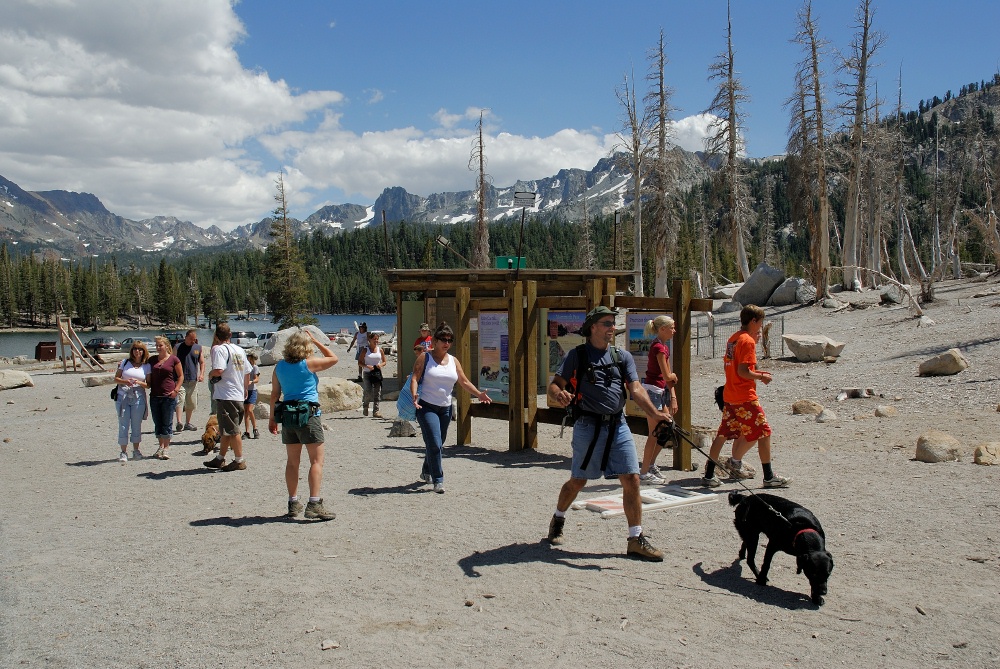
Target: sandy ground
[(169, 564)]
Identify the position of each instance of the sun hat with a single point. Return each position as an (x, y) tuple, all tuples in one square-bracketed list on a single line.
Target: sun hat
[(425, 326)]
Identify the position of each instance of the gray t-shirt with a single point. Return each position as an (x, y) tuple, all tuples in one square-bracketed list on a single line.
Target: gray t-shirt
[(604, 395)]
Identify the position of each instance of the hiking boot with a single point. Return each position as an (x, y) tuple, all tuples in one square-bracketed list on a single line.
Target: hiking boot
[(710, 482), (215, 463), (123, 457), (777, 481), (364, 412), (376, 414), (641, 548), (556, 530), (316, 510), (294, 508), (649, 478), (190, 428), (235, 466), (439, 488), (740, 471)]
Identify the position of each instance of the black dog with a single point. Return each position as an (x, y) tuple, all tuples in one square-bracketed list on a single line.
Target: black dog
[(789, 527), (718, 398)]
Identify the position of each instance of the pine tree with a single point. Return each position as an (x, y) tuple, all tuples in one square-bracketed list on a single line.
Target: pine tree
[(286, 286)]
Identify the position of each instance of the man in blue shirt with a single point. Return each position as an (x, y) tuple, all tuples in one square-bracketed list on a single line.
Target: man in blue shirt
[(602, 442)]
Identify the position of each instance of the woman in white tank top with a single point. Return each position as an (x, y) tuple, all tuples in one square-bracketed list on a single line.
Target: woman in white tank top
[(373, 362), (434, 377)]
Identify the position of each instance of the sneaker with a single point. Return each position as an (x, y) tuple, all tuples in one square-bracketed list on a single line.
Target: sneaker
[(649, 478), (740, 471), (317, 511), (215, 463), (234, 466), (439, 488), (556, 530), (123, 457), (246, 435), (294, 509), (376, 414), (655, 471), (137, 454), (190, 428), (777, 481), (364, 412), (426, 478), (641, 548), (712, 482), (256, 434), (179, 427)]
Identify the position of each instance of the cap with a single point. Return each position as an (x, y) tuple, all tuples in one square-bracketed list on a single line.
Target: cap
[(425, 326), (595, 315)]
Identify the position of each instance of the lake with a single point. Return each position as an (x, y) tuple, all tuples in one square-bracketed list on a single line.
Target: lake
[(23, 343)]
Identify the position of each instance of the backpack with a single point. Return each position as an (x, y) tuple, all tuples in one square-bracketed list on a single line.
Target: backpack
[(588, 372)]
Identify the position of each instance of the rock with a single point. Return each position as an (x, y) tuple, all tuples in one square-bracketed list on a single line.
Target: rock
[(274, 347), (724, 292), (10, 379), (987, 454), (893, 294), (806, 408), (107, 358), (830, 303), (759, 287), (98, 380), (402, 428), (812, 348), (826, 416), (792, 291), (327, 644), (936, 446), (829, 359), (948, 363), (262, 410), (924, 321), (728, 307), (883, 411), (334, 394)]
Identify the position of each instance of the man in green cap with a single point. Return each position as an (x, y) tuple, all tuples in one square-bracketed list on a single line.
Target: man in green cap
[(594, 378)]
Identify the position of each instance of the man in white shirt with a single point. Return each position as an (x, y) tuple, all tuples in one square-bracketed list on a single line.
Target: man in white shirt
[(232, 369)]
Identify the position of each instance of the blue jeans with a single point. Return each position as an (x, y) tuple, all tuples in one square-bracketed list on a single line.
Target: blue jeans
[(433, 421), (162, 411), (131, 406)]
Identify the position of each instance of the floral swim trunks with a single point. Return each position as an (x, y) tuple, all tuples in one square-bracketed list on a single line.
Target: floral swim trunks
[(745, 420)]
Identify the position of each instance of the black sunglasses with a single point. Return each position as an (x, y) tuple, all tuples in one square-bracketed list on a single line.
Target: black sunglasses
[(446, 340)]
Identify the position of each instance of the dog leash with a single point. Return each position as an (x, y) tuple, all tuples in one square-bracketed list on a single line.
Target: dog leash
[(673, 431)]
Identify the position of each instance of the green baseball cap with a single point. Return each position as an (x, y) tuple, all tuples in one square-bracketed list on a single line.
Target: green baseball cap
[(595, 315)]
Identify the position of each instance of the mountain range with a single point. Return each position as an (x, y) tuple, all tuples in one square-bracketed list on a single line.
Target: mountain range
[(78, 224)]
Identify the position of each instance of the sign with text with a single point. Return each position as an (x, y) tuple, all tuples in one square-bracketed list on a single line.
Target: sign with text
[(494, 355), (524, 199)]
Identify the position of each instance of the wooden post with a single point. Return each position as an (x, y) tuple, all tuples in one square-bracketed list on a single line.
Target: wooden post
[(682, 366), (462, 327), (531, 334), (516, 353)]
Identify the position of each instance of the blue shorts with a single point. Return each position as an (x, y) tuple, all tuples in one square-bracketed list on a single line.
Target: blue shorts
[(621, 460), (252, 398)]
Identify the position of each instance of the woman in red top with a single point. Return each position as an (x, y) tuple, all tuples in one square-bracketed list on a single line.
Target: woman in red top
[(165, 379), (659, 384)]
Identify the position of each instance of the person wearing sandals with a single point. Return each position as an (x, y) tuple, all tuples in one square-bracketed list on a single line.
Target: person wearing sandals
[(165, 378), (250, 421), (659, 383), (374, 361), (437, 373), (294, 380), (131, 405)]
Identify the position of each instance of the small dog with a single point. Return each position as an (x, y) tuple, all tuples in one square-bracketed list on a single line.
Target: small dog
[(790, 528), (718, 398), (212, 436)]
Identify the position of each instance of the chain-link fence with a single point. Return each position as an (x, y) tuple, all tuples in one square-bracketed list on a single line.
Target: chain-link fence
[(709, 336)]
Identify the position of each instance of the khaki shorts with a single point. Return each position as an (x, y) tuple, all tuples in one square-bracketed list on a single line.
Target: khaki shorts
[(312, 433), (187, 396), (230, 417)]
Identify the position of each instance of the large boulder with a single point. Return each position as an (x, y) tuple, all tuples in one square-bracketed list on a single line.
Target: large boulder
[(758, 288), (936, 446), (334, 394), (97, 380), (948, 363), (724, 292), (274, 348), (792, 291), (806, 408), (728, 307), (812, 348), (10, 379)]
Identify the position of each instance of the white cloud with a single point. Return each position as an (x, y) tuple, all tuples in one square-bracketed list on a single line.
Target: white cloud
[(690, 132)]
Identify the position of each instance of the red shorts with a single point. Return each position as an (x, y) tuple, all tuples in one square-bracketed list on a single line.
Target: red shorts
[(745, 420)]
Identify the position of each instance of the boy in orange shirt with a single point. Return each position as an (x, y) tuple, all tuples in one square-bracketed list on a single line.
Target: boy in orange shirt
[(743, 417)]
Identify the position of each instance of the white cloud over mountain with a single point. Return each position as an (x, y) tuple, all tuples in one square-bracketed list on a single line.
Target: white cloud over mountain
[(148, 107)]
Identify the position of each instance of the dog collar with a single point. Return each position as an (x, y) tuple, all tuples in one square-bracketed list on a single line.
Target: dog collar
[(802, 531)]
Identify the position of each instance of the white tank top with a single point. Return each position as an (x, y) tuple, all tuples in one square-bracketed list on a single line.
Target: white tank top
[(438, 381), (373, 358)]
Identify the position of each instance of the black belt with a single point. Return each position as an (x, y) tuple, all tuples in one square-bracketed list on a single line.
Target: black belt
[(610, 419)]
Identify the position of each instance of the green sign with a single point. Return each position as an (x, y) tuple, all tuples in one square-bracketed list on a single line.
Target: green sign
[(510, 262)]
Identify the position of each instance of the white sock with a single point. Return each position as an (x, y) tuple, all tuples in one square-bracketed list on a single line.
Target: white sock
[(634, 531), (293, 499), (313, 500), (238, 460), (560, 514)]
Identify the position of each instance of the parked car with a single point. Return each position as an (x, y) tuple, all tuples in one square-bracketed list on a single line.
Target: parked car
[(263, 338), (150, 344), (103, 345), (174, 338), (244, 338)]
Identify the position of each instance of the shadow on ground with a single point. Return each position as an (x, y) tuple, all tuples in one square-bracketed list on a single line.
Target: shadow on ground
[(731, 578), (541, 551)]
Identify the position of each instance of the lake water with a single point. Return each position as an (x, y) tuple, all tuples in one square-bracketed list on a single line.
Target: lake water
[(23, 343)]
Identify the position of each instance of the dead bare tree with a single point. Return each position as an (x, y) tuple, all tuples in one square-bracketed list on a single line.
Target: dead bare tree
[(663, 176), (477, 163), (727, 141), (902, 225), (586, 258)]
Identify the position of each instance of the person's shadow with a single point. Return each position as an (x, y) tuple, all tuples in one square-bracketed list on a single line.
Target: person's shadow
[(731, 578), (248, 521), (406, 489), (540, 551)]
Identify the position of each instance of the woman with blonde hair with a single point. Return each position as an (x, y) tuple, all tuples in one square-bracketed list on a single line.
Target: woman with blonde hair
[(131, 405), (659, 384), (295, 381), (165, 378)]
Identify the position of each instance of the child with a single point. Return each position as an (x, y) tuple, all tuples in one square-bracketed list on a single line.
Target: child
[(251, 400)]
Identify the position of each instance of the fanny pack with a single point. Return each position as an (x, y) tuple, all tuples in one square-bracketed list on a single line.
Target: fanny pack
[(295, 414)]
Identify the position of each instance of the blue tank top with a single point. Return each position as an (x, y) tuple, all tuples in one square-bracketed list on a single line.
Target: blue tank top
[(297, 382)]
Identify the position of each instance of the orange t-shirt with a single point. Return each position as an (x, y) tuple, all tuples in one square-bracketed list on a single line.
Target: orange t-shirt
[(741, 348)]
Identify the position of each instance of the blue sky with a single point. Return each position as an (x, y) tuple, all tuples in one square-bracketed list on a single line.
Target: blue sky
[(191, 107)]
